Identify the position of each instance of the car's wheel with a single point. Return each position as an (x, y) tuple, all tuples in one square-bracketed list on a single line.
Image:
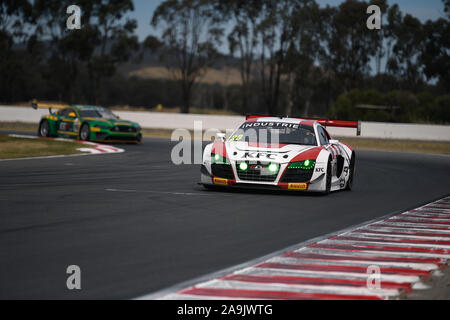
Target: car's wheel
[(85, 132), (351, 172), (328, 178), (44, 129)]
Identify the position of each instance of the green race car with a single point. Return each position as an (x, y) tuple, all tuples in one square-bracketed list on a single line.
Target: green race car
[(89, 123)]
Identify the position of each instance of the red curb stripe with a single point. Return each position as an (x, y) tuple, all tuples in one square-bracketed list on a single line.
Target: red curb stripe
[(443, 202), (412, 241), (436, 206), (417, 221), (426, 210), (382, 225), (359, 247), (406, 233), (425, 216), (331, 257), (258, 294), (404, 286), (337, 268)]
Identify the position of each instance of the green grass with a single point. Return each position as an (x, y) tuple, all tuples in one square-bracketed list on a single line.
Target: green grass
[(13, 148)]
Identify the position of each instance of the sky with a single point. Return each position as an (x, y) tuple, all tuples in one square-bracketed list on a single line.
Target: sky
[(422, 9)]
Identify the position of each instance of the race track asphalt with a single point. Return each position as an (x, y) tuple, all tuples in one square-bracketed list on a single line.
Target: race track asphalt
[(135, 223)]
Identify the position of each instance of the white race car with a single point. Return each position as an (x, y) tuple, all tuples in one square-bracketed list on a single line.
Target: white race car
[(281, 153)]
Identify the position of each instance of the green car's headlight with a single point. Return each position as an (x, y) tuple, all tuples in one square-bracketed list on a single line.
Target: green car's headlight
[(305, 165), (218, 159)]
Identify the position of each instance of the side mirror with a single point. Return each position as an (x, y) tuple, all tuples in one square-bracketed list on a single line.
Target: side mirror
[(220, 136), (72, 115), (333, 141)]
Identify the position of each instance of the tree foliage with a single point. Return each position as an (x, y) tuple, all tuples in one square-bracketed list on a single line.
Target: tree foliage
[(293, 57), (191, 34)]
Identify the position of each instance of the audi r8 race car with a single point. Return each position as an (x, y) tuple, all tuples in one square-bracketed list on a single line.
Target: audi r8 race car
[(281, 153), (86, 123)]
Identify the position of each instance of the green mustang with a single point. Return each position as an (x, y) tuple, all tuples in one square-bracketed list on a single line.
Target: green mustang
[(89, 123)]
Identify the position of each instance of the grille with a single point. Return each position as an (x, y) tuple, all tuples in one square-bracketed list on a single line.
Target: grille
[(123, 129), (297, 175), (121, 138), (100, 135), (257, 174), (222, 171)]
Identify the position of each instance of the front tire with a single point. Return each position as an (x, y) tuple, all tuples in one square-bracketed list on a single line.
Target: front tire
[(351, 172), (44, 129), (328, 179), (85, 132)]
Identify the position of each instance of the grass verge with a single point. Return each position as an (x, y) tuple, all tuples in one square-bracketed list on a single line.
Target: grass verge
[(13, 148)]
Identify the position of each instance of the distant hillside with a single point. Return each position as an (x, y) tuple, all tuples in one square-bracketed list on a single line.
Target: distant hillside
[(225, 76), (149, 66)]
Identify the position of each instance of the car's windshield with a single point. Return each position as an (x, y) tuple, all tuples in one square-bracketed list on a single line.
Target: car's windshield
[(97, 113), (275, 132)]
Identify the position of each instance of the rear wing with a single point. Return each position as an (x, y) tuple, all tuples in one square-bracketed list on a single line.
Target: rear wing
[(323, 122), (40, 105)]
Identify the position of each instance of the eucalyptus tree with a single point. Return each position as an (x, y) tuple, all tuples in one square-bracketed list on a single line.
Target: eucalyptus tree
[(348, 46), (15, 18), (244, 17), (409, 43), (191, 34)]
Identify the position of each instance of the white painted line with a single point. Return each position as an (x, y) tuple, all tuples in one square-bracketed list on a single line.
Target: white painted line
[(230, 284), (360, 263), (157, 192), (328, 275)]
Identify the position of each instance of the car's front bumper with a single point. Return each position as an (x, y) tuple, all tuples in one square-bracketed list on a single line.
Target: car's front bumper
[(210, 179), (105, 135)]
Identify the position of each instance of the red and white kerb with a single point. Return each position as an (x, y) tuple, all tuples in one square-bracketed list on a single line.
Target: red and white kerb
[(406, 249)]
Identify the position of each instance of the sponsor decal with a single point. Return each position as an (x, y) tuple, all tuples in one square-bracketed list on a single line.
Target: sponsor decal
[(270, 124), (236, 137), (259, 155), (297, 186), (220, 181), (321, 170)]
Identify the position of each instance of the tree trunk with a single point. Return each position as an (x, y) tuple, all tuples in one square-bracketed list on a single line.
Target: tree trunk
[(186, 99)]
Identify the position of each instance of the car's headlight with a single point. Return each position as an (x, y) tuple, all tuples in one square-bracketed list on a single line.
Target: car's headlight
[(218, 159), (305, 165)]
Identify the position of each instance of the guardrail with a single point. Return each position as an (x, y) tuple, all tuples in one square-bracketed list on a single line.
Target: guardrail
[(162, 120)]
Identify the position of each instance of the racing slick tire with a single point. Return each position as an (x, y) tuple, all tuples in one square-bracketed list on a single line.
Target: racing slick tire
[(351, 172), (85, 132), (328, 178), (44, 129)]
